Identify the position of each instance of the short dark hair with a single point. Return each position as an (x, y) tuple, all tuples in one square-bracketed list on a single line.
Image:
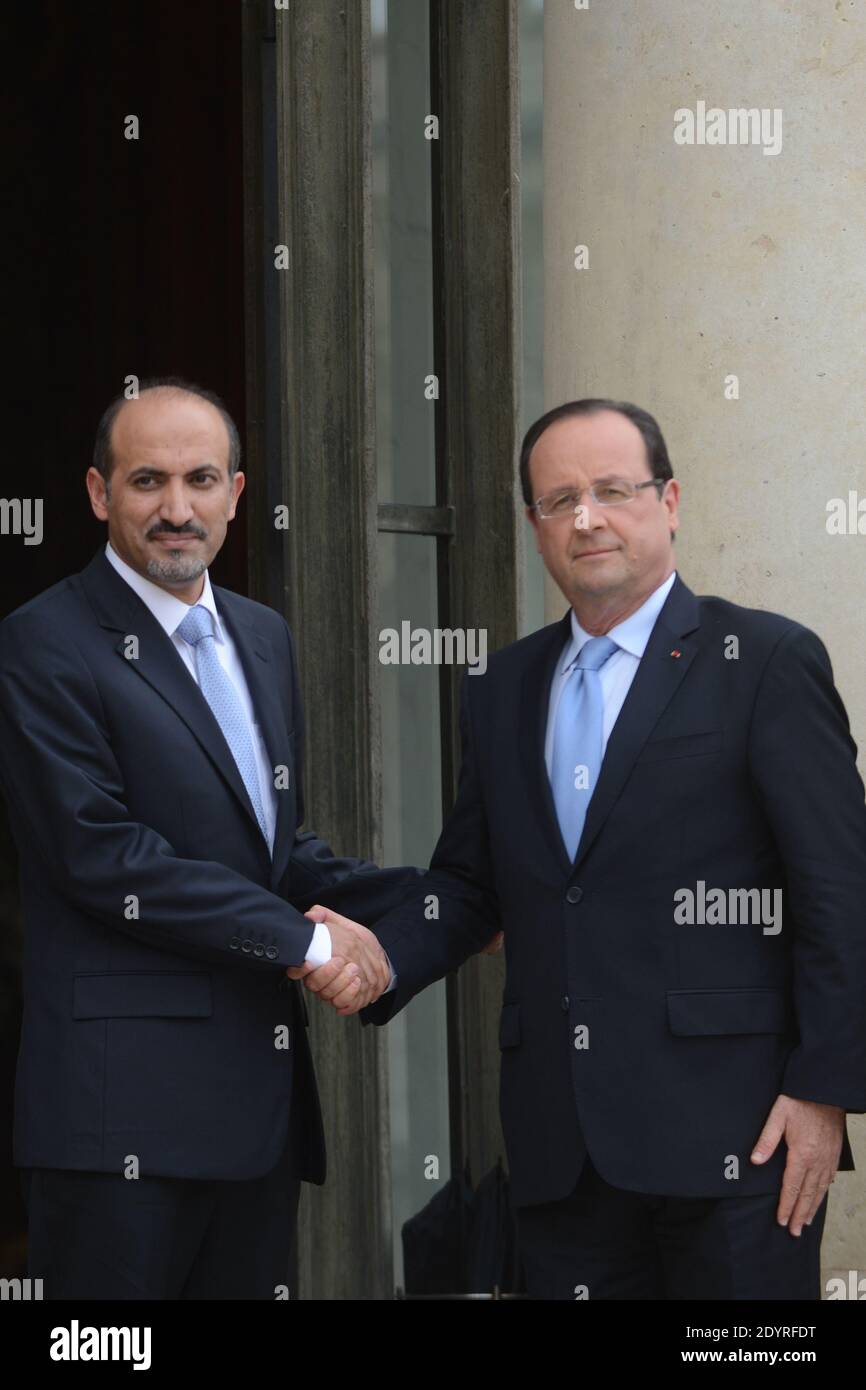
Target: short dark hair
[(656, 449), (103, 458)]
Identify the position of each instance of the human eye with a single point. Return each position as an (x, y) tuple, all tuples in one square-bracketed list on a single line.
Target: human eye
[(613, 491), (561, 502)]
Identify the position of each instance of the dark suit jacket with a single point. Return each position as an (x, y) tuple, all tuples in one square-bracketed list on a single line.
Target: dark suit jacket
[(152, 1030), (740, 773)]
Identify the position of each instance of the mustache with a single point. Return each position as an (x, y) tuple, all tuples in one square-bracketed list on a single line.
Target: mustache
[(175, 531)]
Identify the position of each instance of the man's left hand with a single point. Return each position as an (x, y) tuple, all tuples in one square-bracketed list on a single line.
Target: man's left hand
[(813, 1133)]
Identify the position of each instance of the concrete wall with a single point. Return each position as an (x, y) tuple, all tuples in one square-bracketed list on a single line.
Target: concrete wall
[(709, 260)]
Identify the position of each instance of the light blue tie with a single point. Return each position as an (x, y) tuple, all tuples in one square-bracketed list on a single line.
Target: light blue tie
[(577, 740), (219, 691)]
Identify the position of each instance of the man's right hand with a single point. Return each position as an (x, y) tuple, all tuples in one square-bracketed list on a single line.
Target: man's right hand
[(358, 965)]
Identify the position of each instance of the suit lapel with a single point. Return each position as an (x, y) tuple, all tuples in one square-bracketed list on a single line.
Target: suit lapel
[(119, 609), (535, 698)]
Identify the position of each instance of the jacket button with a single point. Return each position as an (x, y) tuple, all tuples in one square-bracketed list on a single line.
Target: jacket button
[(258, 949), (565, 1002), (246, 946), (234, 944), (272, 953), (574, 895)]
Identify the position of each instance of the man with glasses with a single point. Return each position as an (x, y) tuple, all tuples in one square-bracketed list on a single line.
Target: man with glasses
[(641, 781)]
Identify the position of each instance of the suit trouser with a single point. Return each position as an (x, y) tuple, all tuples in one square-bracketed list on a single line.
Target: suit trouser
[(604, 1242), (103, 1236)]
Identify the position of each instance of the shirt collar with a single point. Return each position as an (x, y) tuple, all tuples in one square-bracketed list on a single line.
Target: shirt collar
[(168, 610), (632, 634)]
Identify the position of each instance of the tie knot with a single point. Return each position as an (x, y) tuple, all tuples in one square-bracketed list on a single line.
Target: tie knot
[(197, 624), (594, 653)]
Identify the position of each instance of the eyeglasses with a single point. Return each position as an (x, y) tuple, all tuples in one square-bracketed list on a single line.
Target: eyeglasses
[(612, 493)]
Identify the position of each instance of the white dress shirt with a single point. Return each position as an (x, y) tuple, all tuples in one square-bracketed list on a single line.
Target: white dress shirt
[(170, 613), (617, 673)]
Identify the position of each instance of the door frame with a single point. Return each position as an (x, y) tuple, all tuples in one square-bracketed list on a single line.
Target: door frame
[(311, 397)]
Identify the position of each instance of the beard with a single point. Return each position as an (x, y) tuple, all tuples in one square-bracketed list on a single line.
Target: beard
[(176, 569)]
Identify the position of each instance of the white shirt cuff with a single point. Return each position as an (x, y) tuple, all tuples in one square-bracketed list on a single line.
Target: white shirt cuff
[(319, 950)]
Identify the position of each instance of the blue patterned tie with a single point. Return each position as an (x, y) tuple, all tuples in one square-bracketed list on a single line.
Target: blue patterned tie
[(577, 740), (219, 691)]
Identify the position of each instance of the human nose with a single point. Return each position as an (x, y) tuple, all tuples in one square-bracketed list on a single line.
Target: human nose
[(588, 515), (174, 504)]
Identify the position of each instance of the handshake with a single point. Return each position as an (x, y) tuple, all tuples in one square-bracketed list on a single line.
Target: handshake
[(359, 970)]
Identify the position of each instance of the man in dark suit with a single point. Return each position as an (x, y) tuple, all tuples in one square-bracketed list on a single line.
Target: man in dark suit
[(659, 805), (150, 752)]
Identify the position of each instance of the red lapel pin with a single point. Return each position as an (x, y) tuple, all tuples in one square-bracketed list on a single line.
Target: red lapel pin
[(676, 652)]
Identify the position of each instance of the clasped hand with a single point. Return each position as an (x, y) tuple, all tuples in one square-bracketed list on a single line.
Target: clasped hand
[(358, 971)]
